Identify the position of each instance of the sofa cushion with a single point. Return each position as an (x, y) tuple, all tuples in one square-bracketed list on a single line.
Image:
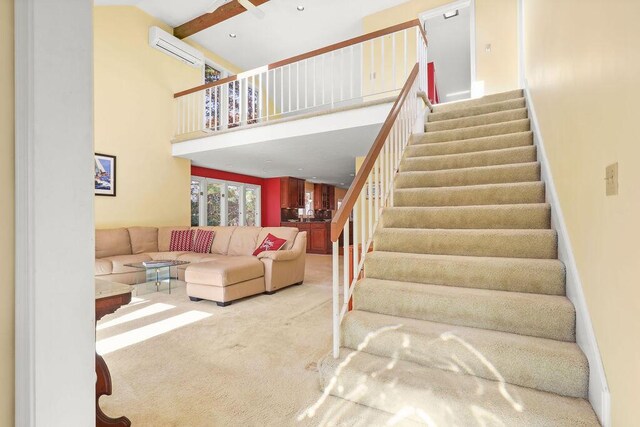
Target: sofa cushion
[(143, 239), (287, 233), (202, 241), (225, 271), (103, 266), (221, 240), (119, 262), (243, 241), (164, 237), (169, 255), (112, 242), (195, 257)]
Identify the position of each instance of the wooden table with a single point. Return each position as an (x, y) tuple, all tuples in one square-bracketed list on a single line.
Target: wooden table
[(109, 297)]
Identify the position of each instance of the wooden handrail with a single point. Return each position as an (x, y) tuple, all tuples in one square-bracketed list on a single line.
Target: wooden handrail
[(316, 52), (349, 201)]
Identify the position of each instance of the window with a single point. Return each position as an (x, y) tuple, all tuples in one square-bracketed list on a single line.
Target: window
[(216, 202)]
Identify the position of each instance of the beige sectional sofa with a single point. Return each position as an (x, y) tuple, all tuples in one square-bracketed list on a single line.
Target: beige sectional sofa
[(227, 273)]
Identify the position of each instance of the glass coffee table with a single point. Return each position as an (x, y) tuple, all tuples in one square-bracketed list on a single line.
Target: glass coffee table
[(158, 268)]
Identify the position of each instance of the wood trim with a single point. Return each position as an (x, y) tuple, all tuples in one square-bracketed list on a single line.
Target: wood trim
[(349, 201), (347, 43), (202, 22), (424, 34), (311, 54), (206, 86)]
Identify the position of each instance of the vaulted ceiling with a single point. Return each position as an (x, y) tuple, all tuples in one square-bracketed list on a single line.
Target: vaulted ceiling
[(283, 32)]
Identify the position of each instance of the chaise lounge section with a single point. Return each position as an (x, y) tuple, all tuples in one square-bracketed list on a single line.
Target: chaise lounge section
[(226, 273)]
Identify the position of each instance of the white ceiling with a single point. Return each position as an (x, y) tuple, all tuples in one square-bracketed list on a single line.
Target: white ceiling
[(327, 157), (282, 33)]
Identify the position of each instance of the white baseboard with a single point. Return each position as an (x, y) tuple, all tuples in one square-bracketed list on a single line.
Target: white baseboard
[(599, 395)]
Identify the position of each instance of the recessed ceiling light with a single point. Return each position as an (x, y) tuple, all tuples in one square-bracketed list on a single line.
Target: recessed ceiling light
[(352, 174), (299, 169), (233, 35), (314, 177), (342, 183), (300, 8), (450, 14)]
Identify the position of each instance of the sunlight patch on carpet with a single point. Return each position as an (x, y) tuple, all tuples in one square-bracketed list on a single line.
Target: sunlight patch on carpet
[(138, 314), (135, 336)]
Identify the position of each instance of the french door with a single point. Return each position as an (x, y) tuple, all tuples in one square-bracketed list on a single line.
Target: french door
[(216, 202)]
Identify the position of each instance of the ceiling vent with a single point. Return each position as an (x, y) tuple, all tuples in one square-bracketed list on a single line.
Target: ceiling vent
[(175, 47)]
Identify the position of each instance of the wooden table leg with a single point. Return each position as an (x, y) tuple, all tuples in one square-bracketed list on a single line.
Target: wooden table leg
[(103, 387)]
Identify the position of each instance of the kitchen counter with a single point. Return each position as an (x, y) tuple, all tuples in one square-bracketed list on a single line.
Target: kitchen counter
[(318, 235)]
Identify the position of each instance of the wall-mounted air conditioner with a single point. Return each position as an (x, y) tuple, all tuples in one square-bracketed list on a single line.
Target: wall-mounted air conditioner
[(175, 47)]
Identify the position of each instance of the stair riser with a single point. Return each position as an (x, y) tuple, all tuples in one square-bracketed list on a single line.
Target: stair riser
[(474, 132), (525, 172), (478, 110), (529, 217), (464, 196), (484, 119), (513, 313), (514, 244), (470, 145), (500, 275), (550, 366), (438, 398), (489, 99), (458, 161)]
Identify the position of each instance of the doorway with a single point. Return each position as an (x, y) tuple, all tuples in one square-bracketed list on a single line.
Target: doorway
[(451, 36)]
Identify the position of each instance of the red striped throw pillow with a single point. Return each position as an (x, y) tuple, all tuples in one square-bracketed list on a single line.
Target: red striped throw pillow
[(181, 240), (202, 242)]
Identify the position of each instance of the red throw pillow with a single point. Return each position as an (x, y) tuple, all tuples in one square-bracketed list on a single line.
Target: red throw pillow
[(181, 240), (202, 242), (270, 243)]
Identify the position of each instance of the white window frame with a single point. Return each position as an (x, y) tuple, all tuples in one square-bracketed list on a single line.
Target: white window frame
[(202, 202)]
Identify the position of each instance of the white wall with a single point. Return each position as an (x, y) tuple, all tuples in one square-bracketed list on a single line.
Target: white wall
[(449, 50), (55, 335)]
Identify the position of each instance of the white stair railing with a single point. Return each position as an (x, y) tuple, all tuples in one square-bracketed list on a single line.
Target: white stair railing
[(346, 73), (370, 192)]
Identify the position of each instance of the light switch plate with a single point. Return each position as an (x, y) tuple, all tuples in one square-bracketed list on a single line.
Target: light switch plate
[(611, 178)]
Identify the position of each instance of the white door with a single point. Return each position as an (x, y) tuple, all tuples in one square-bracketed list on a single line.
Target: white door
[(216, 202)]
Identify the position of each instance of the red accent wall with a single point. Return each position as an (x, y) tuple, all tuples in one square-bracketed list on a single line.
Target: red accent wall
[(433, 90), (271, 202), (269, 190)]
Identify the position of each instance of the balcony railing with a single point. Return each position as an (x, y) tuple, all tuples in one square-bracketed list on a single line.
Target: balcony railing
[(360, 69)]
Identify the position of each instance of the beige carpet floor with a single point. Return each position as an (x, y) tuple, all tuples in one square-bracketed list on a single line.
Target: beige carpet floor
[(253, 363)]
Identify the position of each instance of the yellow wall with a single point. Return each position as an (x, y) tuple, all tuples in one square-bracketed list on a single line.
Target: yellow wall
[(583, 73), (134, 117), (6, 214), (496, 24)]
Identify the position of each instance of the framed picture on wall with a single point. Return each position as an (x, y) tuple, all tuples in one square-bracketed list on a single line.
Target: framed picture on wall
[(105, 182)]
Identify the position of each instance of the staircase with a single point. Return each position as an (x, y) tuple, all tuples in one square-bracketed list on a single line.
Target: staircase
[(462, 318)]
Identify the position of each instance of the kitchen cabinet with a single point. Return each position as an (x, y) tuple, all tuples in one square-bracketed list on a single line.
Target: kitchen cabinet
[(324, 197), (291, 193), (318, 235)]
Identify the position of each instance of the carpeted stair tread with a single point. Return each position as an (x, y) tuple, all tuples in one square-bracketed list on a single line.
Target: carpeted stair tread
[(525, 275), (496, 174), (548, 365), (487, 108), (496, 142), (488, 99), (534, 244), (440, 398), (485, 194), (503, 156), (477, 120), (513, 126), (535, 215), (537, 315)]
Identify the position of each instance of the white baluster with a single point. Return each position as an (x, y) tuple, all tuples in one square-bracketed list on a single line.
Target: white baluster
[(336, 295), (405, 55), (345, 258), (393, 62), (297, 85), (383, 84), (356, 243)]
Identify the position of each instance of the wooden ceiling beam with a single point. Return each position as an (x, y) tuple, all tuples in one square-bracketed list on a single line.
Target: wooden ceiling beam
[(224, 12)]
